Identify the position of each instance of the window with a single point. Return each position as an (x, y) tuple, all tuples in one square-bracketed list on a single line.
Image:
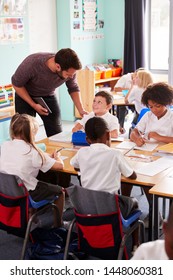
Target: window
[(158, 35)]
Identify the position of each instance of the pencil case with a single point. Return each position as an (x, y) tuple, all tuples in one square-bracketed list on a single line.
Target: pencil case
[(79, 138)]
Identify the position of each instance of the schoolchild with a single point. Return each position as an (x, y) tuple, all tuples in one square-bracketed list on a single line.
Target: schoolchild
[(102, 103), (20, 156)]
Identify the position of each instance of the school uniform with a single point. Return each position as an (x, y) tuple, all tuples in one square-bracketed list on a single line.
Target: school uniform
[(124, 82), (163, 126), (21, 159), (135, 97), (154, 250), (101, 168), (111, 120)]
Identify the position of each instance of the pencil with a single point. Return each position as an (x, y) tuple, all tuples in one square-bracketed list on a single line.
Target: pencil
[(60, 149), (142, 136), (129, 150)]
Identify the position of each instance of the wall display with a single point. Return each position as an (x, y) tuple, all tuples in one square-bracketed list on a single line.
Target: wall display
[(11, 30), (89, 12), (12, 7), (76, 4)]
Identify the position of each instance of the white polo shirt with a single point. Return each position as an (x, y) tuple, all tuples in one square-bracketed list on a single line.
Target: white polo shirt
[(101, 167), (21, 159), (135, 97), (163, 126), (111, 120), (125, 81), (154, 250)]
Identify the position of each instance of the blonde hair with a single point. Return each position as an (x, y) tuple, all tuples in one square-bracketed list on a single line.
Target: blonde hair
[(144, 78), (24, 127)]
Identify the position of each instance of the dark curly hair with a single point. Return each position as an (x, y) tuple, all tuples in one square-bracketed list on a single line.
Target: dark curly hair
[(95, 128), (160, 93)]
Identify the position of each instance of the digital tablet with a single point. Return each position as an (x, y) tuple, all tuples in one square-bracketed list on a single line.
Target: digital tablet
[(41, 101)]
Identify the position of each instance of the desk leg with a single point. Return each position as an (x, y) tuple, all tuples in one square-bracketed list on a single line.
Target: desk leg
[(151, 221), (156, 217)]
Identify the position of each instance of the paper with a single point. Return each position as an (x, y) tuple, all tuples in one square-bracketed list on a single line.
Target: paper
[(63, 157), (130, 145), (152, 168), (65, 136), (118, 139), (126, 145), (116, 97), (147, 147)]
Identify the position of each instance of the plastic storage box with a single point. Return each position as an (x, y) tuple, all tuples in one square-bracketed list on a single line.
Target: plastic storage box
[(79, 138)]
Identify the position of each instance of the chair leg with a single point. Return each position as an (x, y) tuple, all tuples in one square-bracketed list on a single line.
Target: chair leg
[(32, 218), (142, 231), (66, 250), (142, 191)]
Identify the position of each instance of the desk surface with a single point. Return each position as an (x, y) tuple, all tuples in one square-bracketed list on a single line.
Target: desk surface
[(119, 100), (142, 180), (163, 188)]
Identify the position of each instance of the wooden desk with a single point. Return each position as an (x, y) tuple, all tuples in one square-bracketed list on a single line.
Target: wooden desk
[(142, 180), (163, 189), (119, 101)]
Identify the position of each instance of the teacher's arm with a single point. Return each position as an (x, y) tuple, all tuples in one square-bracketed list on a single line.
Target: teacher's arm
[(76, 97)]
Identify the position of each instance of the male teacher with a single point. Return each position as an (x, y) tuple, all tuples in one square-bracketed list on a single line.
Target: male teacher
[(38, 76)]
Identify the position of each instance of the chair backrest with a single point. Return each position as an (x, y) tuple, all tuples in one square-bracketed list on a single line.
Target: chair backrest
[(90, 201), (13, 204), (98, 221), (142, 113)]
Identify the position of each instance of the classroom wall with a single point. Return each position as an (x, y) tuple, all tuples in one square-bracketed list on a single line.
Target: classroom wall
[(37, 34), (91, 47), (11, 54)]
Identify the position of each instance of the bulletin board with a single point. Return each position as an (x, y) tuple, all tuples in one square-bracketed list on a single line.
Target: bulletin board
[(12, 21)]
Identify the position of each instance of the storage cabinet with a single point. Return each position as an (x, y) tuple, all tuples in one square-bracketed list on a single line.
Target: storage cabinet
[(87, 82)]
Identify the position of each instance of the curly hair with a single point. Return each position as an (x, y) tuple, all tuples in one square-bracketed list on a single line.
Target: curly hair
[(160, 93)]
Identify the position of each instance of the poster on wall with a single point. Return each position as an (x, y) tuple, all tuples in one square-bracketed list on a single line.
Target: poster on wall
[(12, 7), (11, 30), (89, 13)]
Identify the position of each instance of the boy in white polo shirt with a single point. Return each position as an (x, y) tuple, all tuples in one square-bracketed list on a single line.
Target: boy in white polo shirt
[(102, 103), (101, 166)]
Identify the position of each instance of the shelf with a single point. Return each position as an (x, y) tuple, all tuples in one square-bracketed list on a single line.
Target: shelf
[(87, 82), (106, 80), (6, 113)]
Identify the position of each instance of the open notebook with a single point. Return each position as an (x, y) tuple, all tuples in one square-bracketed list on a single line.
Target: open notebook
[(127, 145), (65, 136)]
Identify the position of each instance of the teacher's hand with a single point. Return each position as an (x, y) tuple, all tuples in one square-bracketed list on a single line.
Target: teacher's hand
[(41, 110), (83, 112)]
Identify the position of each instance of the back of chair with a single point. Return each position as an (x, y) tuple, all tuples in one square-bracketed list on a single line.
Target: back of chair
[(13, 204), (92, 202), (98, 222)]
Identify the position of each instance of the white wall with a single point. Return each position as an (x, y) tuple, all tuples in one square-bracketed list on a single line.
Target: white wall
[(42, 28), (42, 25)]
